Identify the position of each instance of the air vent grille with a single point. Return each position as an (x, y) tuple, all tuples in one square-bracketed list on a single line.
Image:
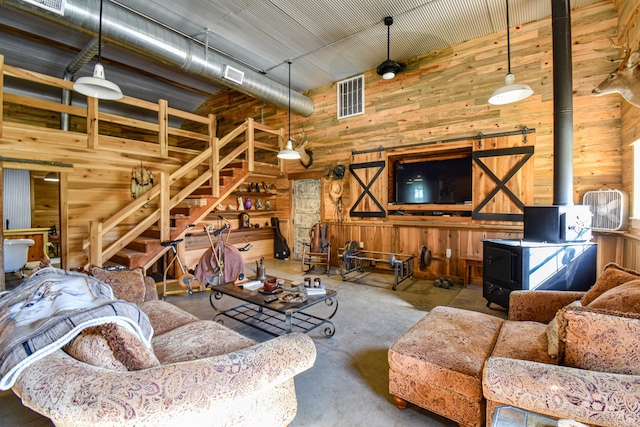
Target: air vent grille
[(351, 97), (56, 6), (233, 74)]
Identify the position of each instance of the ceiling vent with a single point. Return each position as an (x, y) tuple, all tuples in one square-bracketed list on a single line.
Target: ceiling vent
[(233, 74), (56, 6), (351, 97), (610, 209)]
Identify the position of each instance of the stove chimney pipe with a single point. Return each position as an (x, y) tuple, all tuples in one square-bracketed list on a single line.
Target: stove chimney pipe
[(562, 104)]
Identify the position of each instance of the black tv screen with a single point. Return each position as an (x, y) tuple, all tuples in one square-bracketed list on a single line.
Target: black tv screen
[(446, 181)]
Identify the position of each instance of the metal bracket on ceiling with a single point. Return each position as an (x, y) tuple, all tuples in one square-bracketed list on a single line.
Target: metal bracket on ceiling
[(479, 136), (380, 150), (525, 130)]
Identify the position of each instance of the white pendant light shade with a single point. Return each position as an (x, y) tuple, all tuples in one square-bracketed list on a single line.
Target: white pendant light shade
[(510, 92), (98, 86), (288, 153)]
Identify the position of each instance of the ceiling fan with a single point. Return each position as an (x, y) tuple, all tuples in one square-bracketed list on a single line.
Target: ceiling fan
[(389, 68)]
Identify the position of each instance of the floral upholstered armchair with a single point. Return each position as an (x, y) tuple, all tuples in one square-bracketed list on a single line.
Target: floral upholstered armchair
[(595, 375), (197, 372)]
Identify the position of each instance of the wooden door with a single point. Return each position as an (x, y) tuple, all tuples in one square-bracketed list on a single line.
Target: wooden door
[(306, 203), (503, 176), (368, 185)]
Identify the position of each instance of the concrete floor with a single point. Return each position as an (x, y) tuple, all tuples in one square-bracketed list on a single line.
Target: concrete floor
[(348, 385)]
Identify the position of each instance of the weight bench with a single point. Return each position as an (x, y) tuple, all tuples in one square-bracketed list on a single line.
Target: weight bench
[(352, 257)]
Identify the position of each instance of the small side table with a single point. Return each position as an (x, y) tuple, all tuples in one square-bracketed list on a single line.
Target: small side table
[(510, 416), (470, 261)]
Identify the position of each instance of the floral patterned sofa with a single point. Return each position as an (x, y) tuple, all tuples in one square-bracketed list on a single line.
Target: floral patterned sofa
[(197, 373), (563, 354)]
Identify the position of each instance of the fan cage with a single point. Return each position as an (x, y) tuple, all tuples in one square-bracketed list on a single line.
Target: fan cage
[(610, 209)]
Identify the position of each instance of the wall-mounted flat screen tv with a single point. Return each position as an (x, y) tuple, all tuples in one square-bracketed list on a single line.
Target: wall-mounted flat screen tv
[(439, 181)]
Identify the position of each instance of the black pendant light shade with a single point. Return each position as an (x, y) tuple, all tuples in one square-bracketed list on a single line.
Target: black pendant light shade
[(389, 68)]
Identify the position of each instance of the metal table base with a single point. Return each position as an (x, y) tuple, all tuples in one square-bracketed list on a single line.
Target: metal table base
[(277, 322)]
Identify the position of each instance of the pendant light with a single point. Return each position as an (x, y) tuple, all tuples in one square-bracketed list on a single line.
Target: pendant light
[(289, 153), (388, 69), (511, 91), (98, 86)]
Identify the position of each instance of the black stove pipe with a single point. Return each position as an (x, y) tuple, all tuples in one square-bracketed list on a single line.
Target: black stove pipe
[(562, 104)]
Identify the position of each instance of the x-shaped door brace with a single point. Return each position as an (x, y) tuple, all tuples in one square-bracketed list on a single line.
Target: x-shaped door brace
[(501, 184), (367, 189)]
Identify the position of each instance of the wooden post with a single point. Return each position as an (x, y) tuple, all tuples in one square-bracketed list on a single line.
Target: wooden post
[(1, 122), (64, 220), (215, 156), (92, 123), (163, 131), (281, 145), (215, 170), (163, 205), (3, 285), (95, 248), (250, 133)]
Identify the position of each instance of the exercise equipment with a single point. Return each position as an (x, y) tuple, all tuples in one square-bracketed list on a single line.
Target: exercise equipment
[(443, 283), (426, 258), (352, 257), (186, 279)]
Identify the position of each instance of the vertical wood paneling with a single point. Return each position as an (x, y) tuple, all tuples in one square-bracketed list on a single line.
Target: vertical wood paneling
[(441, 95)]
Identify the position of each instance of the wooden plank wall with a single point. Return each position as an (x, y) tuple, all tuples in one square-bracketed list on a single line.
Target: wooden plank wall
[(443, 95), (629, 35)]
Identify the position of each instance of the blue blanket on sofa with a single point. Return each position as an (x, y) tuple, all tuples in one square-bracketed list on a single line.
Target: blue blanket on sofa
[(49, 309)]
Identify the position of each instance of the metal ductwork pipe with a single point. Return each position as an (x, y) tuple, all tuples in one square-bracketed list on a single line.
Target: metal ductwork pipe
[(145, 37), (81, 59), (562, 104)]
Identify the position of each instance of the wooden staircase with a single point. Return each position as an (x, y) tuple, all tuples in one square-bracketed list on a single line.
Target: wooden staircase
[(138, 244), (146, 248)]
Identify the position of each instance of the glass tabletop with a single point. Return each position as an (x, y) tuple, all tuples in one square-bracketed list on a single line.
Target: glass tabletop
[(509, 416)]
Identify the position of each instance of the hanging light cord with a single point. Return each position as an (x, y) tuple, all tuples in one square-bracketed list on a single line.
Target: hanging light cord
[(508, 41), (289, 100), (100, 35), (388, 42)]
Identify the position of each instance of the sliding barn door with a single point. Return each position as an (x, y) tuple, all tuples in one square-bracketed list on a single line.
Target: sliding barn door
[(368, 185), (503, 177)]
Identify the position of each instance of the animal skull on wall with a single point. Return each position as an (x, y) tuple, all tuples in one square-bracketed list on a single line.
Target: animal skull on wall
[(306, 156), (625, 80)]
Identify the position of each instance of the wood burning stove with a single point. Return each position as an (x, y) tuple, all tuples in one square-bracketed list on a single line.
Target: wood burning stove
[(510, 265)]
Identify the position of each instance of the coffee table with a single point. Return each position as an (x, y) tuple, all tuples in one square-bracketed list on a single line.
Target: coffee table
[(510, 416), (275, 318)]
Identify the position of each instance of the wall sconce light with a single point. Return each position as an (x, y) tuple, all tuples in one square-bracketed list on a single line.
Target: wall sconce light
[(52, 177)]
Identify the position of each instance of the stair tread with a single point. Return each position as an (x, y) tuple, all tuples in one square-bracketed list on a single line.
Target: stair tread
[(129, 253)]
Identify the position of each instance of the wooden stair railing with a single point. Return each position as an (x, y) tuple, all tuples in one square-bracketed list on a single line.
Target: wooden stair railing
[(93, 140), (98, 254)]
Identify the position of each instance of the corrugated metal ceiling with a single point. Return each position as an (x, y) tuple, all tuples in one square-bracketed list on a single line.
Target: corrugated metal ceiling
[(328, 40)]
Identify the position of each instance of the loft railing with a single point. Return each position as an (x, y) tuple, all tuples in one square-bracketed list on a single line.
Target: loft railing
[(165, 139)]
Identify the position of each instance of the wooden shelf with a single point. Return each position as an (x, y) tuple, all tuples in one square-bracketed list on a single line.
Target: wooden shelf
[(430, 208), (260, 194), (235, 213)]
